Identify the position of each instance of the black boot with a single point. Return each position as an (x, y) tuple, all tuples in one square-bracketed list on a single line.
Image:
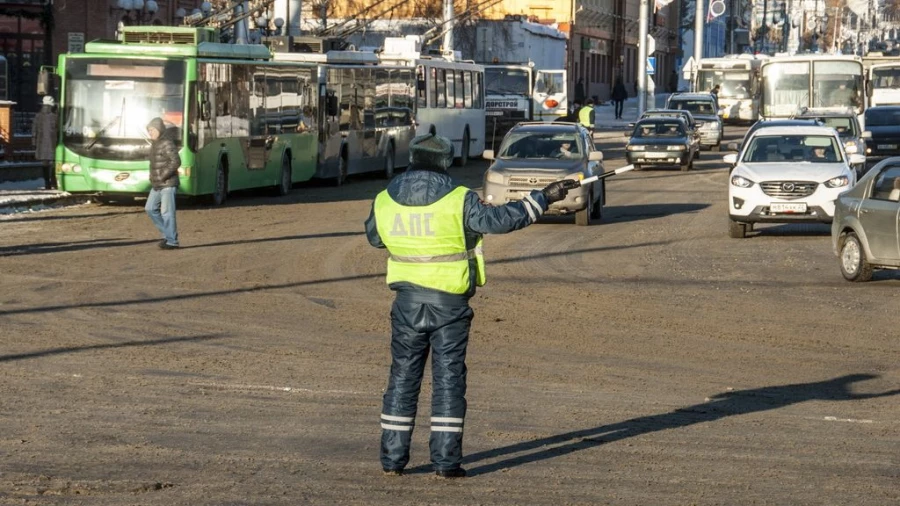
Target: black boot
[(451, 473)]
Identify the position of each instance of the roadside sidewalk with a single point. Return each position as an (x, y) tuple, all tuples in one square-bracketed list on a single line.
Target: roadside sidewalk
[(30, 195), (607, 126)]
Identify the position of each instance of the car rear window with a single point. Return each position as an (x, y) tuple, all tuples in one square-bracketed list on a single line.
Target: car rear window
[(698, 106)]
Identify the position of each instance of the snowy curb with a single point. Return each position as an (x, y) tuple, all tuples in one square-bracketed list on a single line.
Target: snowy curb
[(21, 202)]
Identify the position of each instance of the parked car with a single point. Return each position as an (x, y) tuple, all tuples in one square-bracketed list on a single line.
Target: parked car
[(846, 124), (661, 142), (704, 108), (883, 121), (535, 154), (788, 174), (864, 234)]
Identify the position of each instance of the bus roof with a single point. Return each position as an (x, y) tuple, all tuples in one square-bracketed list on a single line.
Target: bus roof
[(178, 41)]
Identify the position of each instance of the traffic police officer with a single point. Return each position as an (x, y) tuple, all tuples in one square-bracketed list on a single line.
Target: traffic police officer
[(586, 115), (432, 228)]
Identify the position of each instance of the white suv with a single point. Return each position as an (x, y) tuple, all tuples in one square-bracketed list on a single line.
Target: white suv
[(787, 174)]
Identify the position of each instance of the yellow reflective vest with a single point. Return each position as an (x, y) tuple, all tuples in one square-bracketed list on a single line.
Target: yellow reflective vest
[(427, 244), (584, 116)]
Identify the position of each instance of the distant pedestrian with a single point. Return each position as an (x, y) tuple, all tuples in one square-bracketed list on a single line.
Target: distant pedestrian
[(715, 91), (579, 91), (619, 94), (44, 136), (673, 82), (164, 164)]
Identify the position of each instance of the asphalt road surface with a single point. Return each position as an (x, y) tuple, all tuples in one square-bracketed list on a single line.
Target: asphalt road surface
[(646, 359)]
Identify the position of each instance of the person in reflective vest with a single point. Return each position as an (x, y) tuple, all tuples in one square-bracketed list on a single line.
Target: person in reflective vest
[(432, 228), (586, 115)]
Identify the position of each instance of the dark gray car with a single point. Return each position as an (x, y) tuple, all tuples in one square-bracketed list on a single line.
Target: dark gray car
[(865, 233)]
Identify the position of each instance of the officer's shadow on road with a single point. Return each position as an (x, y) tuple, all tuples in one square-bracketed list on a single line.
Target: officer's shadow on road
[(618, 214), (59, 247), (95, 347), (720, 406)]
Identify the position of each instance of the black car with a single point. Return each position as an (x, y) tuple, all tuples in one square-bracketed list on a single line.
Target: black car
[(883, 122), (661, 141)]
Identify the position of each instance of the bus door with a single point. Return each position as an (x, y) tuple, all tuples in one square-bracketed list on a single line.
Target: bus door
[(549, 96), (256, 144), (371, 134)]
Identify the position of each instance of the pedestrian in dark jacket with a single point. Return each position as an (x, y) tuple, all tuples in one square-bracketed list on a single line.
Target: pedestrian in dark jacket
[(164, 164), (579, 91), (44, 136), (432, 228), (619, 94)]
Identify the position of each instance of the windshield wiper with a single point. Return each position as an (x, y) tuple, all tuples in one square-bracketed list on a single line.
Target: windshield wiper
[(103, 130)]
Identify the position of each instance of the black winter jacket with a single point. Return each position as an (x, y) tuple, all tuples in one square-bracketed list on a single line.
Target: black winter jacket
[(417, 187), (164, 160)]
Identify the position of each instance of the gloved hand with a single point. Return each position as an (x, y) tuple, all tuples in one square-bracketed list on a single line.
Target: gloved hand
[(557, 190)]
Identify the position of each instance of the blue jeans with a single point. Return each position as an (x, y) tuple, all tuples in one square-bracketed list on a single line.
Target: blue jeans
[(161, 209)]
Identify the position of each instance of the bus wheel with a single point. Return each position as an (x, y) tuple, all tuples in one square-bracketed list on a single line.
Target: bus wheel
[(389, 162), (285, 184), (341, 176), (464, 152), (221, 190)]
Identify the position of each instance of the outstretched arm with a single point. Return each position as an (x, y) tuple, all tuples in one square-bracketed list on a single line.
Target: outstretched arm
[(484, 218)]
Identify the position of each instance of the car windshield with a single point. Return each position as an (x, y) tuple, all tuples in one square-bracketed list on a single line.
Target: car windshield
[(694, 106), (793, 148), (540, 145), (661, 129), (882, 117)]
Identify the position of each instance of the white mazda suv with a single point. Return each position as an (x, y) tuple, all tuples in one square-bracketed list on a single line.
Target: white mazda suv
[(787, 174)]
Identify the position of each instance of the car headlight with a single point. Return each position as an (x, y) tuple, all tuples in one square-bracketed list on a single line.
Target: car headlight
[(837, 182), (494, 177), (634, 148), (741, 182), (851, 148), (676, 148)]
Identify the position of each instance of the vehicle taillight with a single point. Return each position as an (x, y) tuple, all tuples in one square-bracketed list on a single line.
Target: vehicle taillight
[(550, 103)]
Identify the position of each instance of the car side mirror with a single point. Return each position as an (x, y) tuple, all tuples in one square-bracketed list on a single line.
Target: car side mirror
[(866, 135), (730, 158), (630, 125), (732, 146), (596, 156), (857, 159), (488, 154)]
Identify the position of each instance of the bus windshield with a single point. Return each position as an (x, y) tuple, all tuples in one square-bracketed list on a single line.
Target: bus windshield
[(732, 83), (786, 88), (886, 77), (114, 100), (507, 81), (837, 84)]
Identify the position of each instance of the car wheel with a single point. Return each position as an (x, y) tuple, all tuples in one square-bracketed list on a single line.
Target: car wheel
[(737, 230), (597, 210), (583, 217), (636, 166), (854, 266)]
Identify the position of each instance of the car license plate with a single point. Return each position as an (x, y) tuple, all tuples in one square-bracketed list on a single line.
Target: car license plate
[(887, 146), (656, 155), (788, 208)]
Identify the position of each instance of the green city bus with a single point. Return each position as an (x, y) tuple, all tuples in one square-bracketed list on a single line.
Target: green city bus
[(244, 121)]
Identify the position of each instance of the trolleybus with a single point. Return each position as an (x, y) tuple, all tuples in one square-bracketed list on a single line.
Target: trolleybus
[(738, 79), (238, 114), (792, 84)]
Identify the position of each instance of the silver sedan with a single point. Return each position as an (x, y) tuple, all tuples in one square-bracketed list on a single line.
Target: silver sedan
[(865, 233)]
